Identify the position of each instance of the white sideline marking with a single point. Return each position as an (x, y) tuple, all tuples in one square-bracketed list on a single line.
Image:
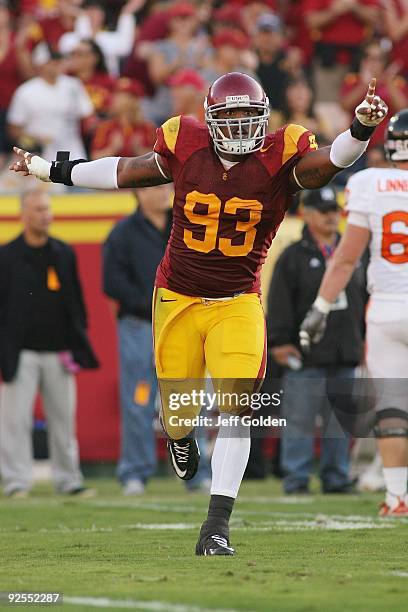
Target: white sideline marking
[(399, 574), (323, 523), (284, 499), (156, 606), (144, 506), (64, 529), (238, 512), (161, 526), (278, 521)]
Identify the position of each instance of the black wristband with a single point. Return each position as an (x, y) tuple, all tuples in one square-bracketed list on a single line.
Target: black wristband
[(60, 171), (360, 131)]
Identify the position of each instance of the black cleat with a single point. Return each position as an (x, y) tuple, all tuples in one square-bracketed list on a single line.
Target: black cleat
[(184, 457), (215, 544)]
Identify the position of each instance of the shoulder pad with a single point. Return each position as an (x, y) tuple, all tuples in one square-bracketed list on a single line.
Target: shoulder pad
[(180, 136), (297, 140)]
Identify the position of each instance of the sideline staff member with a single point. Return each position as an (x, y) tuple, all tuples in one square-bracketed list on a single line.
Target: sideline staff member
[(42, 343), (294, 286)]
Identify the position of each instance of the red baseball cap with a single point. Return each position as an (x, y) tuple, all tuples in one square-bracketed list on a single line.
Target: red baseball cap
[(131, 86), (182, 9), (229, 15), (232, 38), (188, 77)]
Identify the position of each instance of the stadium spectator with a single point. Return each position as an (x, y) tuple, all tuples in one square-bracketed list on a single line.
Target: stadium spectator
[(271, 69), (53, 27), (87, 63), (187, 88), (132, 253), (182, 48), (391, 86), (15, 65), (230, 55), (46, 111), (339, 29), (153, 27), (227, 17), (43, 342), (127, 133), (115, 44), (155, 24), (297, 31), (395, 20), (251, 10), (295, 281), (298, 107)]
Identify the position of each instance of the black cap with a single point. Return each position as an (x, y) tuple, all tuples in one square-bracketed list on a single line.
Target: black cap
[(323, 199)]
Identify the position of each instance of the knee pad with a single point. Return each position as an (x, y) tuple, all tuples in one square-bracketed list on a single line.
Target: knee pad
[(391, 423)]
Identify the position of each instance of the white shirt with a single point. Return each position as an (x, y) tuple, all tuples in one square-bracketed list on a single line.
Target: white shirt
[(53, 113), (377, 199)]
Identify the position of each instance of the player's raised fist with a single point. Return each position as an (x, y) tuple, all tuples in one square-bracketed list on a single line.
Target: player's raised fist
[(372, 109), (31, 164)]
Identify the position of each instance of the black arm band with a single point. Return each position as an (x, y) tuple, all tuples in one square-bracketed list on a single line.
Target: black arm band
[(360, 131), (61, 171)]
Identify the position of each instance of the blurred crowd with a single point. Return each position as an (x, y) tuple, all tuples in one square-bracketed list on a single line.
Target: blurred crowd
[(97, 76)]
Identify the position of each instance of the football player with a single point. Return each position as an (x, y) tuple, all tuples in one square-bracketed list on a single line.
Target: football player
[(233, 183), (378, 216)]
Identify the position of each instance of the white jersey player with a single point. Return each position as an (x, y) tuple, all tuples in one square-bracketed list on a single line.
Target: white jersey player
[(377, 201)]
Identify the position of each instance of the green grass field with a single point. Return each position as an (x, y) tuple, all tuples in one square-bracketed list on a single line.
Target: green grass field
[(318, 553)]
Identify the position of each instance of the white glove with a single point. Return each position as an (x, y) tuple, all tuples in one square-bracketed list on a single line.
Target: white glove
[(372, 109), (39, 167), (32, 164)]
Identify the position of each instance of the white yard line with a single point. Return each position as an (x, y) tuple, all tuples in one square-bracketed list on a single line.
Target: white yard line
[(327, 524), (238, 513), (156, 606), (399, 574), (281, 521), (161, 526), (160, 507), (284, 499)]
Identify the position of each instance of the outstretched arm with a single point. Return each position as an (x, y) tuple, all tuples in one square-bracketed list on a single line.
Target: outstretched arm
[(341, 266), (317, 168), (143, 171), (105, 173)]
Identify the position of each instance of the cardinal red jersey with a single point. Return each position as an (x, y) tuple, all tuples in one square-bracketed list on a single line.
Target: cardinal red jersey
[(223, 220)]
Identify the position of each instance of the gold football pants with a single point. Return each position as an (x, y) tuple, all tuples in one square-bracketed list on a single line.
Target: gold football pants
[(194, 336)]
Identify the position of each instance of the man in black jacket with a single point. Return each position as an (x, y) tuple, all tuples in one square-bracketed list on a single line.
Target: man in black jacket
[(294, 285), (43, 342)]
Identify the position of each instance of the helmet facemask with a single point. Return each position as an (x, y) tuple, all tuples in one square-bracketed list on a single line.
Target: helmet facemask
[(243, 135), (396, 150), (396, 140)]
